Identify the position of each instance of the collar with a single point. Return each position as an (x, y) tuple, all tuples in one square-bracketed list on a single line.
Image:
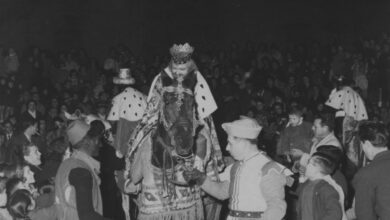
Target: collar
[(382, 155), (92, 163), (32, 113), (250, 157), (27, 137), (168, 72), (329, 136)]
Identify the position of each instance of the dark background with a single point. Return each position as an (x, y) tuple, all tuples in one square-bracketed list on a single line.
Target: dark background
[(153, 25)]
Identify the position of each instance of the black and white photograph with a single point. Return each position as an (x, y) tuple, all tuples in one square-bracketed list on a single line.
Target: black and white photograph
[(194, 110)]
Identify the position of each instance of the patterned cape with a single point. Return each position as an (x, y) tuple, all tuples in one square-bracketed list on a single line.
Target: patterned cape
[(206, 105), (349, 101)]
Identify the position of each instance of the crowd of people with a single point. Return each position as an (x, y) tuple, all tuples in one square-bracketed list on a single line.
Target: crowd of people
[(283, 89)]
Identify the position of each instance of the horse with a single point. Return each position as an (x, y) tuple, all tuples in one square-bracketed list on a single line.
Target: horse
[(175, 142)]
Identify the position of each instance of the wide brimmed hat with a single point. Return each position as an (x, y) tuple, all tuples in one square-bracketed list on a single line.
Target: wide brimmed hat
[(244, 127), (124, 77), (76, 131)]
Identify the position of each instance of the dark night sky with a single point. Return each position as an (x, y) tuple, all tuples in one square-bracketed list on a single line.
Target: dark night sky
[(155, 24)]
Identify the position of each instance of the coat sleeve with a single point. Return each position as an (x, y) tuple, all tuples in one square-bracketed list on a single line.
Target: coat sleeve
[(272, 187), (81, 180), (281, 147), (219, 190), (332, 208), (364, 198)]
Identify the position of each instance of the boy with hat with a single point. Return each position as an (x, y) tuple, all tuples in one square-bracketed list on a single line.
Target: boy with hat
[(254, 183), (127, 109), (77, 181)]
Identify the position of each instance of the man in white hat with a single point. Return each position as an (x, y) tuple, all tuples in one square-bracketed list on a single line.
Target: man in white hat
[(77, 181), (254, 184), (127, 109)]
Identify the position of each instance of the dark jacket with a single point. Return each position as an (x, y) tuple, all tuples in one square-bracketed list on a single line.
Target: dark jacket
[(15, 149), (325, 203), (372, 189)]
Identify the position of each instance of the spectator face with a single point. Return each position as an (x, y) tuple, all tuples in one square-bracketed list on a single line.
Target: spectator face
[(278, 109), (102, 110), (8, 128), (312, 169), (11, 52), (250, 114), (28, 175), (54, 103), (33, 129), (42, 126), (35, 97), (235, 147), (34, 156), (295, 120), (63, 108), (259, 106), (320, 107), (31, 106), (319, 130)]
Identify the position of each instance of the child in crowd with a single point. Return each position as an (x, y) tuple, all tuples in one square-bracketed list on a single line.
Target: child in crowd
[(297, 135), (320, 197)]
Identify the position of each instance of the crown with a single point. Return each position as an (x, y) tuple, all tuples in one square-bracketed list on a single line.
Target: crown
[(181, 53)]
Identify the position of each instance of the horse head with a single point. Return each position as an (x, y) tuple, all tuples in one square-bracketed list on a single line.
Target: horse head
[(177, 125)]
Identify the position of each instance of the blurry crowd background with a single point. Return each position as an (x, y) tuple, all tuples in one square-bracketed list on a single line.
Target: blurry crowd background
[(256, 79)]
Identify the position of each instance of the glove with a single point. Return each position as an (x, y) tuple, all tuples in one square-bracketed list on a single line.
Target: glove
[(194, 176)]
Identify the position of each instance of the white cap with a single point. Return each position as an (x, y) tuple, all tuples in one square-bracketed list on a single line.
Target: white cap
[(76, 131), (244, 127)]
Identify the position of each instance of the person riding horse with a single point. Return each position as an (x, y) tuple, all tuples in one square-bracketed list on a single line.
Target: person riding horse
[(176, 133)]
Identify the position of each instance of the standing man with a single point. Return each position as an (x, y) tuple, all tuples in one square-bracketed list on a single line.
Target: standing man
[(254, 184), (77, 181), (371, 183), (16, 143), (323, 128)]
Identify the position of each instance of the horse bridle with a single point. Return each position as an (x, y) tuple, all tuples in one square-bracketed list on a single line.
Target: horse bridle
[(171, 152)]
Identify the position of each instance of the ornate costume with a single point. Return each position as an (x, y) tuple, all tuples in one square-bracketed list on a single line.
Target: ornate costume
[(159, 199)]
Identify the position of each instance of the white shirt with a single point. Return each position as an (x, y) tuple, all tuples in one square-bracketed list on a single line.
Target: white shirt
[(244, 188)]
